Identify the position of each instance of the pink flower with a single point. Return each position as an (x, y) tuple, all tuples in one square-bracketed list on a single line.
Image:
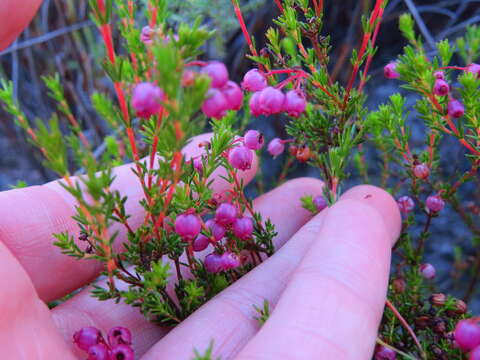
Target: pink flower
[(241, 157), (295, 103), (390, 71), (441, 88), (234, 95), (455, 109), (276, 147), (146, 99), (218, 72), (215, 105), (254, 80), (271, 101)]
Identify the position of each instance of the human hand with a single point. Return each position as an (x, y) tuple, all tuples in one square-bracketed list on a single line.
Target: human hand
[(327, 283), (14, 17)]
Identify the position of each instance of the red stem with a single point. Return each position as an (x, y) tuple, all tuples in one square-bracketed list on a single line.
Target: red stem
[(279, 5), (241, 21), (406, 326)]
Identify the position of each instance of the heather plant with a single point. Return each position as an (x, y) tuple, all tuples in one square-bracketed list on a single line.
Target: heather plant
[(197, 237)]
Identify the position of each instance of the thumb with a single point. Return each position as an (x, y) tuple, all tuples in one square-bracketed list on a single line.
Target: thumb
[(15, 16)]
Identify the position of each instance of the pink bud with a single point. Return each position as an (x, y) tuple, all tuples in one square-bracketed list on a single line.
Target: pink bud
[(147, 35), (455, 109), (254, 104), (439, 75), (225, 214), (188, 225), (213, 263), (271, 101), (427, 271), (234, 95), (435, 203), (320, 202), (474, 69), (243, 227), (276, 147), (384, 353), (441, 88), (295, 103), (406, 204), (119, 335), (86, 337), (218, 230), (253, 140), (241, 157), (467, 334), (146, 99), (98, 352), (200, 243), (218, 72), (230, 261), (421, 171), (123, 352), (254, 80), (215, 105), (390, 71)]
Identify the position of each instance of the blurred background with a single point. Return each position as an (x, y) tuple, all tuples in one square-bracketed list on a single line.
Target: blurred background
[(62, 39)]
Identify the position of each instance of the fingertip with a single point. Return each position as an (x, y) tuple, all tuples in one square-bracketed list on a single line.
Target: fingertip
[(382, 202)]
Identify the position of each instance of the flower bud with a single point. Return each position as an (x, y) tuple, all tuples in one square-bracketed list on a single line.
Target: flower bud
[(320, 202), (460, 307), (218, 72), (405, 204), (467, 334), (243, 227), (438, 299), (119, 335), (87, 337), (234, 95), (455, 109), (225, 214), (146, 99), (441, 88), (390, 71), (254, 104), (303, 154), (439, 75), (241, 158), (188, 225), (147, 35), (123, 352), (434, 204), (421, 171), (427, 271), (218, 230), (200, 243), (213, 263), (229, 261), (253, 140), (98, 352), (271, 101), (254, 80), (276, 147), (295, 103), (474, 69), (384, 353), (399, 285), (422, 322), (215, 105)]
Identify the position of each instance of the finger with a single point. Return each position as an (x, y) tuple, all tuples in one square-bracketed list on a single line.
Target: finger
[(26, 328), (229, 317), (14, 17), (82, 310), (29, 217), (333, 303)]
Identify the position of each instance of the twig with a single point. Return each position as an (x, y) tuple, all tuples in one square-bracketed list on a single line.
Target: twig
[(407, 327)]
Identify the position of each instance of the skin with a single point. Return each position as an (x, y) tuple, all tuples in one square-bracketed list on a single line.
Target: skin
[(326, 284)]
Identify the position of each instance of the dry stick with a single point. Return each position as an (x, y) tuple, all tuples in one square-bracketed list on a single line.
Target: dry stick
[(406, 326)]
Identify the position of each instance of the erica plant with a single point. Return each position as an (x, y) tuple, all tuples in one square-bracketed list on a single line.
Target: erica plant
[(200, 232)]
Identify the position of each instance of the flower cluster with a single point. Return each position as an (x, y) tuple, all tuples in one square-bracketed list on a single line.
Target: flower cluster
[(117, 346)]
